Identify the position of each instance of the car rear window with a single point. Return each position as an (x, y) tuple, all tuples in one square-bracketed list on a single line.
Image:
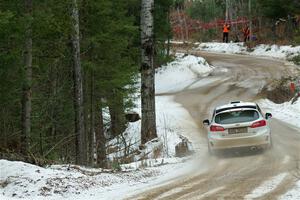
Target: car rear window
[(229, 108), (236, 117)]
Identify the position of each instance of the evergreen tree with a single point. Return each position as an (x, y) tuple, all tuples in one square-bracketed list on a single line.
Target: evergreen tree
[(109, 43), (78, 88), (27, 82), (162, 31), (276, 9), (11, 62)]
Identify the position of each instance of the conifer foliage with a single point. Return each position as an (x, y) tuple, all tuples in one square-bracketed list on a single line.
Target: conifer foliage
[(64, 67)]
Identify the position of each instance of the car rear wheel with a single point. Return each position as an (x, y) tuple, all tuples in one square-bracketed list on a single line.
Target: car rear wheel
[(210, 151), (270, 146)]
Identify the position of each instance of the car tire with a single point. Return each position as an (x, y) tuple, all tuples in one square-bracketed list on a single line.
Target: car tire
[(271, 143), (268, 146), (210, 151)]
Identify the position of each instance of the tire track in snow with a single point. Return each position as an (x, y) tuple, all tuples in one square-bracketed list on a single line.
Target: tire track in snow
[(178, 190), (266, 187), (197, 196)]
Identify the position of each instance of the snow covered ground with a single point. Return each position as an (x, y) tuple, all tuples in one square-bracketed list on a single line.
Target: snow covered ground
[(233, 48), (172, 120), (181, 73), (292, 194), (26, 181), (20, 180), (287, 112), (274, 51)]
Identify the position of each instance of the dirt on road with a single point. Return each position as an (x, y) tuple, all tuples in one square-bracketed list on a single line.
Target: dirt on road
[(235, 175)]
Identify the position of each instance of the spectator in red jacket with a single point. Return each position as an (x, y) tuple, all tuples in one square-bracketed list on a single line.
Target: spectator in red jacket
[(246, 32)]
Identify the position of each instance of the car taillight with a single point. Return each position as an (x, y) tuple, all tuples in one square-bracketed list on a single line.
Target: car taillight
[(216, 128), (259, 124)]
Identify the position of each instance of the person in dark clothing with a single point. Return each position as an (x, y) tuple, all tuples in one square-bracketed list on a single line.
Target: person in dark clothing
[(226, 29), (246, 32)]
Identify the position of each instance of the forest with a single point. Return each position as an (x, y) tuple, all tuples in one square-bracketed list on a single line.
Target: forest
[(69, 69), (41, 43)]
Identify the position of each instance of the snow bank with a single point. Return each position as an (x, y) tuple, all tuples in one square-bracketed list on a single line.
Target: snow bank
[(292, 194), (286, 112), (170, 118), (26, 181), (274, 51), (181, 73), (233, 48)]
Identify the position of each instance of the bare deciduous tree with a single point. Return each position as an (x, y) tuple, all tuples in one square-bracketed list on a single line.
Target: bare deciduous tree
[(148, 127)]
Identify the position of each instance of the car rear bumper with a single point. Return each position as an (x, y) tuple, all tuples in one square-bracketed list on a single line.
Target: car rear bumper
[(262, 140)]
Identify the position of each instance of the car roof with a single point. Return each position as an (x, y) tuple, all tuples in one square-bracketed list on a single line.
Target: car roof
[(236, 104)]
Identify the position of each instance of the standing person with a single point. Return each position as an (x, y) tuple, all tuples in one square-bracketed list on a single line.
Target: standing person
[(246, 32), (226, 29)]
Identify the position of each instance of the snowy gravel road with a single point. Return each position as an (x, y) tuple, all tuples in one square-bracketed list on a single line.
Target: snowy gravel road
[(246, 175)]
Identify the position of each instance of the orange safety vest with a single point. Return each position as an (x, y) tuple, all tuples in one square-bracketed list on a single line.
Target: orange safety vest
[(225, 28)]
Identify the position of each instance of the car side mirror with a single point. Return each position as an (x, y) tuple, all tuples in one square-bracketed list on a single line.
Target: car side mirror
[(268, 115), (206, 122)]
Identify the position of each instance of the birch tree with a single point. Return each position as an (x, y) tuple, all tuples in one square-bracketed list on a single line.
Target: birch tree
[(81, 150), (148, 127), (27, 82)]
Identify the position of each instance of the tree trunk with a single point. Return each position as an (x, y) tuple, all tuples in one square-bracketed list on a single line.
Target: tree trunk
[(27, 93), (117, 113), (185, 28), (169, 33), (250, 18), (148, 126), (92, 122), (81, 150), (227, 11), (181, 24), (100, 139)]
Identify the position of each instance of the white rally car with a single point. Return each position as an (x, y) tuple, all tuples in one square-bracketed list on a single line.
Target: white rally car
[(238, 124)]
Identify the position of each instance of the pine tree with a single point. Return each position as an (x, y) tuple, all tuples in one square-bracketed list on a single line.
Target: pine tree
[(12, 23), (78, 89), (109, 59), (27, 92)]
